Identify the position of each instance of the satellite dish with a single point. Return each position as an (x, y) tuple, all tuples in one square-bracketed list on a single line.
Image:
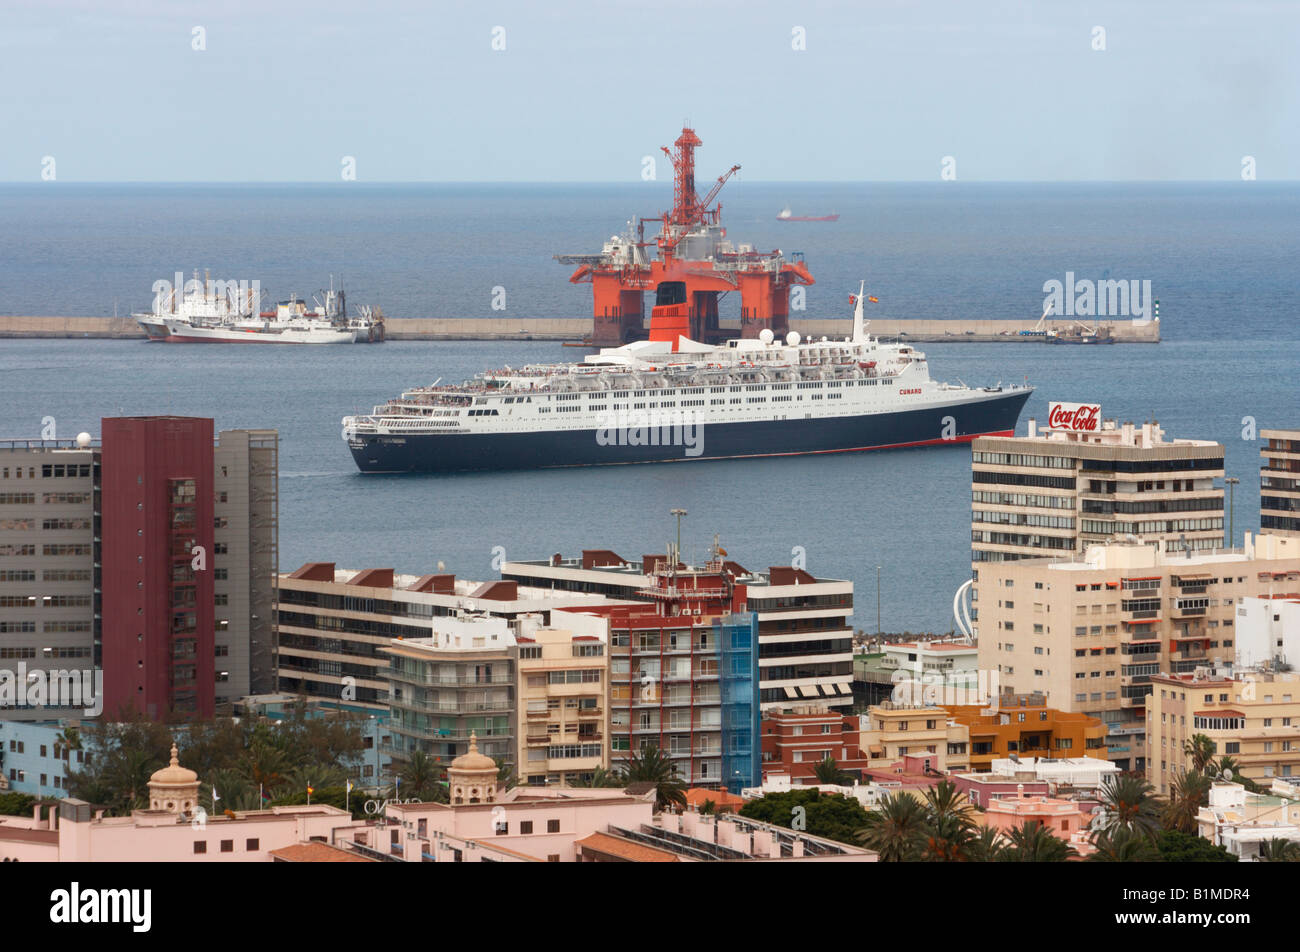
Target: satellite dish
[(441, 565), (83, 439), (766, 335), (792, 338)]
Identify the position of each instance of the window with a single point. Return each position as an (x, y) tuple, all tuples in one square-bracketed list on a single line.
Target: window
[(200, 846), (525, 827), (552, 826), (227, 846), (252, 845)]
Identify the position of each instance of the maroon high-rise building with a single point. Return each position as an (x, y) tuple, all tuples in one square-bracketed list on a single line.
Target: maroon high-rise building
[(157, 556)]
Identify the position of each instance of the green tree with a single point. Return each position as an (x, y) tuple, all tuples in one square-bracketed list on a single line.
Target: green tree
[(828, 772), (829, 815), (986, 845), (1122, 844), (895, 828), (1034, 843), (1279, 850), (949, 824), (1175, 847), (600, 777), (265, 765), (506, 777), (649, 765), (1200, 750), (420, 775), (1128, 801), (1188, 792), (16, 804), (232, 786)]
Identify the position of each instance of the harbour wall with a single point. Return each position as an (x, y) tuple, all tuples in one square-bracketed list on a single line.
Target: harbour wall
[(576, 328)]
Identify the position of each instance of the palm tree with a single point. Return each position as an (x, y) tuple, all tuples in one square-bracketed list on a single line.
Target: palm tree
[(506, 777), (986, 846), (233, 789), (1279, 850), (1188, 792), (420, 775), (827, 772), (708, 808), (1121, 844), (1034, 843), (649, 765), (68, 739), (949, 824), (1128, 801), (1228, 768), (265, 765), (128, 774), (1201, 751), (894, 829), (600, 777)]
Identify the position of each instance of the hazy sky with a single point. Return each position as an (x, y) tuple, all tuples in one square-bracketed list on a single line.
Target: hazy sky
[(883, 90)]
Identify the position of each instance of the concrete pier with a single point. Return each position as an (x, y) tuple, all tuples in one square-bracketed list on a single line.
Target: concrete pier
[(573, 329)]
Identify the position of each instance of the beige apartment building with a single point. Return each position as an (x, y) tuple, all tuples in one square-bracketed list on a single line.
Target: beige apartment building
[(563, 710), (246, 561), (1254, 717), (332, 623), (1056, 491), (49, 557), (892, 731), (1279, 482), (1089, 633)]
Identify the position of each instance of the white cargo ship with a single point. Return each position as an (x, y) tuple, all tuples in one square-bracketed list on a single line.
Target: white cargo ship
[(218, 312)]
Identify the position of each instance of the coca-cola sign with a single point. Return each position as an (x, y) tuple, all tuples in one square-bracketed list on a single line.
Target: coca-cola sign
[(1077, 417)]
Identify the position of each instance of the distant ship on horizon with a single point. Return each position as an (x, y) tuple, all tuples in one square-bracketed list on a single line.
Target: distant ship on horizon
[(787, 215)]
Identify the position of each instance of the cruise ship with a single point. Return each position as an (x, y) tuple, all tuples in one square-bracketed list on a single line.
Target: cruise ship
[(218, 312), (676, 400)]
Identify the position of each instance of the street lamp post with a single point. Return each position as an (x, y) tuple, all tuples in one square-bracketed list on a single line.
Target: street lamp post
[(1232, 494), (877, 601), (678, 554)]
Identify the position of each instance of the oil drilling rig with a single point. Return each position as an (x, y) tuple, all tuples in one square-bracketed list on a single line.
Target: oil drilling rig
[(689, 266)]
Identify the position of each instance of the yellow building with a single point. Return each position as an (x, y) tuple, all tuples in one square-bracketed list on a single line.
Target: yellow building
[(563, 713), (891, 731), (1252, 717)]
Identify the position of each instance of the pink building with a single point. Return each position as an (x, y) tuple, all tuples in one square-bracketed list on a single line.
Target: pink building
[(981, 789), (1064, 818), (173, 830)]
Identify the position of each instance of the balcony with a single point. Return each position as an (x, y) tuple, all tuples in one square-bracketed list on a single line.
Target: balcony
[(590, 712)]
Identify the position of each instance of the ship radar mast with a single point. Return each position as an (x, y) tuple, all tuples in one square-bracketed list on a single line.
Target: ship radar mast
[(859, 323)]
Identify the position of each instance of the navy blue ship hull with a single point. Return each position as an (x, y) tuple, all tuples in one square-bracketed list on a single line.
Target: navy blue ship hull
[(449, 453)]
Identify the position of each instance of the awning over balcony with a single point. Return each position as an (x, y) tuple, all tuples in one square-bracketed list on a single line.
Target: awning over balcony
[(790, 692)]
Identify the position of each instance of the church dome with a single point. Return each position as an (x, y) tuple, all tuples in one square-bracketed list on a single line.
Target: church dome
[(174, 774), (472, 760)]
